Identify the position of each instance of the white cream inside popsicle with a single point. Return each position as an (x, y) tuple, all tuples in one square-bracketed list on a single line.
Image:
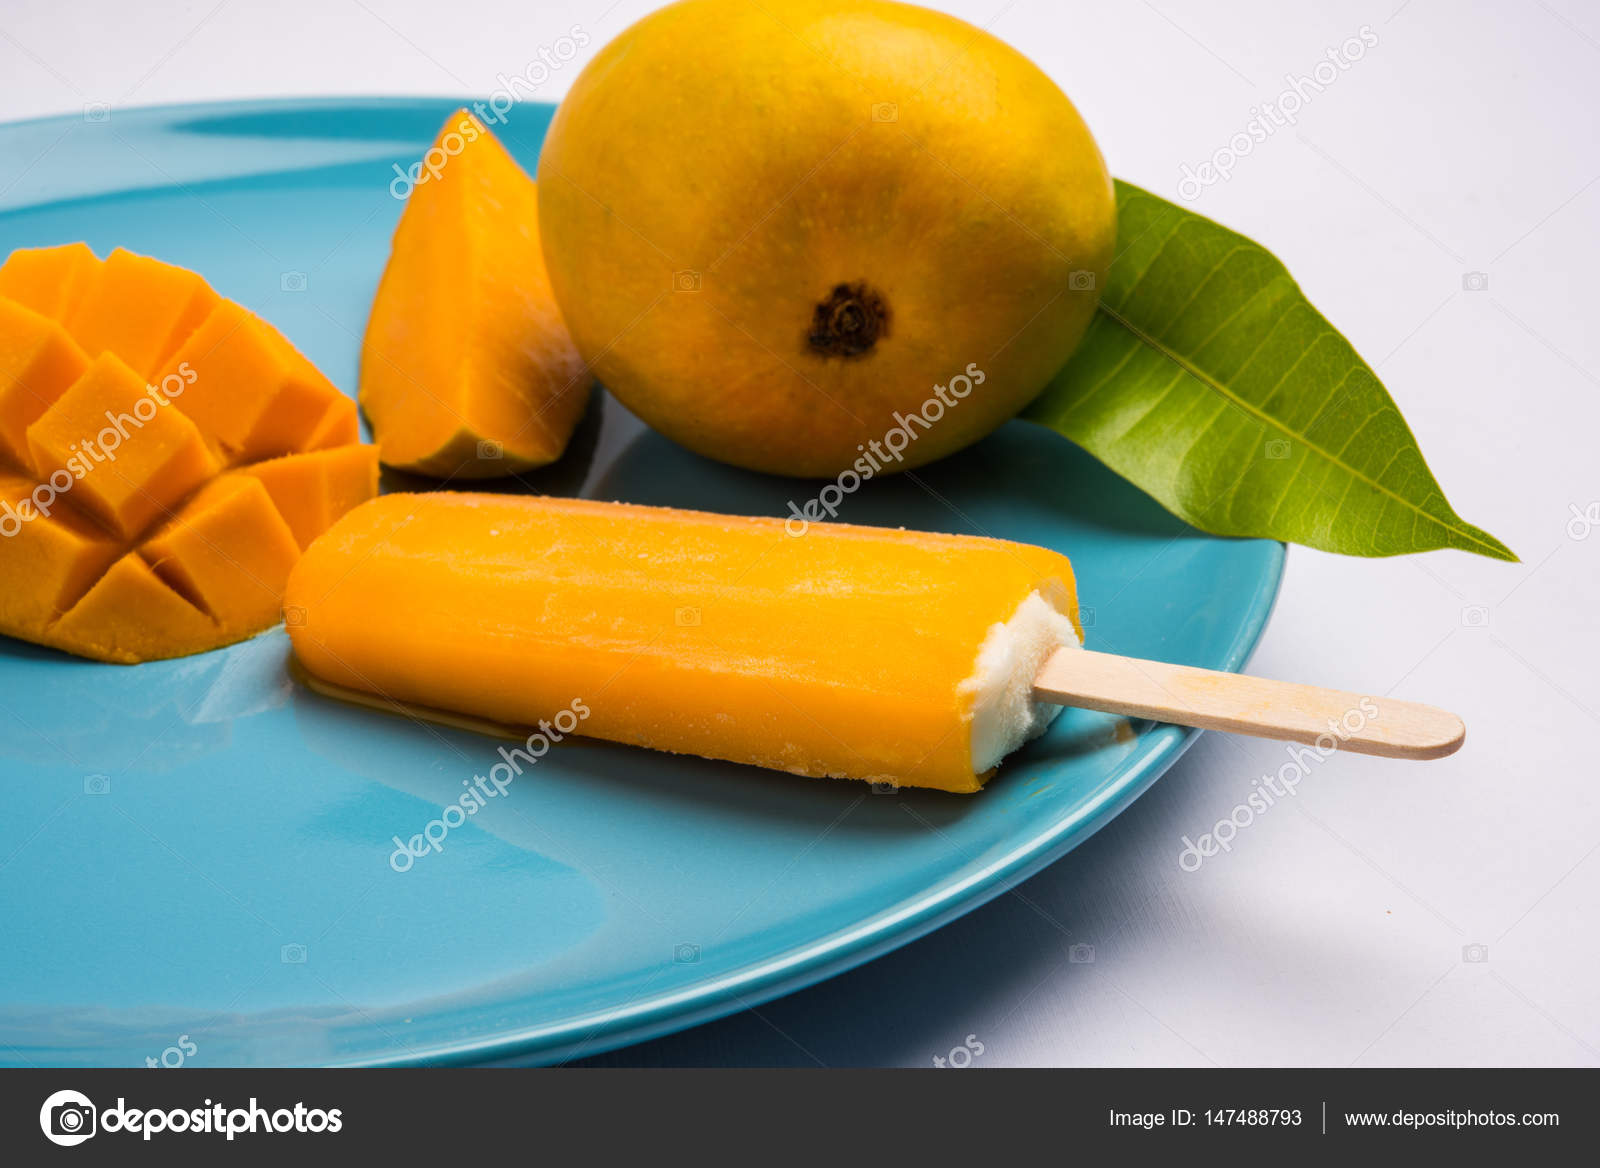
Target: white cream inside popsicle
[(1004, 713)]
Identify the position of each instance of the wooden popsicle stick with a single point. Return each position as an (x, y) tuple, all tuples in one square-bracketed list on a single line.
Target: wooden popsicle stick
[(1239, 704)]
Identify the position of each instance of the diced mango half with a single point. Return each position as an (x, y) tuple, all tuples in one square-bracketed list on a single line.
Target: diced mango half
[(121, 538), (48, 279), (38, 361), (467, 369), (132, 456), (314, 490), (140, 309)]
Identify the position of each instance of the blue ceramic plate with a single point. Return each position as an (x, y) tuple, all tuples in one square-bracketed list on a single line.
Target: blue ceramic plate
[(196, 865)]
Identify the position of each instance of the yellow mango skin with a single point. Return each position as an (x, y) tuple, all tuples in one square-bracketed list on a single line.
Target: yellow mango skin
[(835, 653), (467, 370), (722, 167)]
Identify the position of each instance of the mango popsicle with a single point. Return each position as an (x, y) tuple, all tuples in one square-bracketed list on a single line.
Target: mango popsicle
[(893, 656)]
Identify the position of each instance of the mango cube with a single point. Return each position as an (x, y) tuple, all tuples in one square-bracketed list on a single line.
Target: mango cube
[(48, 280), (227, 551), (44, 543), (140, 309), (313, 490), (131, 615), (131, 457), (38, 361), (251, 392)]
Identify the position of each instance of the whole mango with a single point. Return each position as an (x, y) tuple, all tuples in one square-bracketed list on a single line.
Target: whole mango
[(803, 236)]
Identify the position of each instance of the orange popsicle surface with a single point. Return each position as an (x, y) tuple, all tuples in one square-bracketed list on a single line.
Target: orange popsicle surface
[(842, 651)]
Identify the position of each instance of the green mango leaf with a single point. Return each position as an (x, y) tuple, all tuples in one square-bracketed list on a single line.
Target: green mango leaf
[(1209, 380)]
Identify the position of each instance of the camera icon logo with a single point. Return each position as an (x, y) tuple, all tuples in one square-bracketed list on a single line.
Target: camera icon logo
[(489, 450), (292, 282), (292, 955), (1475, 954), (1080, 281), (1475, 616), (97, 784), (885, 111), (67, 1118), (885, 789), (1081, 954), (686, 954), (1278, 448), (687, 280), (1475, 282), (686, 617), (96, 111), (294, 617)]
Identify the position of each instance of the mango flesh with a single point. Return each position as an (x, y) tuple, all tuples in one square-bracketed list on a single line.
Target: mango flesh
[(48, 279), (714, 635), (251, 393), (124, 534), (339, 426), (138, 308), (129, 615), (227, 551), (314, 489), (146, 457), (38, 361), (47, 563), (467, 370), (777, 229)]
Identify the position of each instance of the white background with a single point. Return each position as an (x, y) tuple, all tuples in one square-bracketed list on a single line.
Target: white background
[(1467, 140)]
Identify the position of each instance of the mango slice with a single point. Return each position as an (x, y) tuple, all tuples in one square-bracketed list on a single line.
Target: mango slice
[(38, 361), (467, 369), (314, 490), (130, 454), (48, 279), (141, 521)]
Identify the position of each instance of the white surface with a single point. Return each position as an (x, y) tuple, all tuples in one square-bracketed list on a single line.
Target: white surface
[(1464, 141)]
